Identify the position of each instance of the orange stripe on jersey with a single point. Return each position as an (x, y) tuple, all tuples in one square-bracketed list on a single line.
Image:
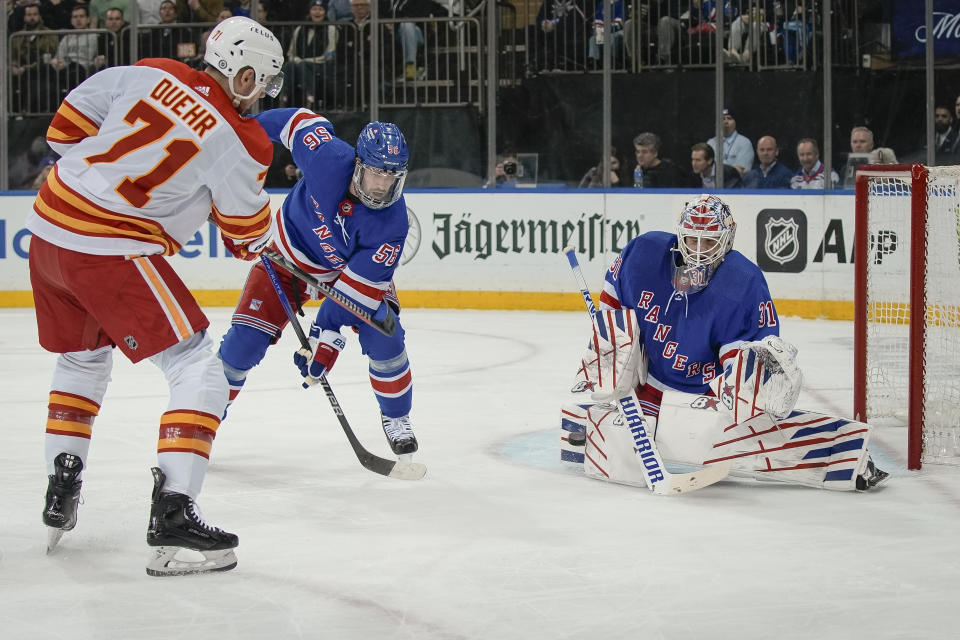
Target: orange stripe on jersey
[(176, 317), (61, 399), (70, 126), (62, 206), (241, 228)]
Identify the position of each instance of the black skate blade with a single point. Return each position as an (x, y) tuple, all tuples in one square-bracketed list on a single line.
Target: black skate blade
[(53, 538), (164, 562)]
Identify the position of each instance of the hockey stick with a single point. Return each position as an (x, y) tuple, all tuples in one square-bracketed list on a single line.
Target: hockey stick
[(658, 479), (387, 326), (391, 468)]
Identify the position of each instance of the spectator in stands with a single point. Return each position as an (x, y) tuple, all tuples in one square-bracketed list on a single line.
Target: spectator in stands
[(705, 169), (350, 43), (410, 34), (861, 141), (30, 53), (339, 10), (311, 55), (56, 13), (166, 40), (749, 34), (594, 46), (263, 12), (737, 148), (561, 28), (594, 176), (811, 174), (46, 166), (675, 15), (945, 134), (98, 10), (77, 53), (652, 171), (115, 46), (770, 173), (198, 10), (149, 11)]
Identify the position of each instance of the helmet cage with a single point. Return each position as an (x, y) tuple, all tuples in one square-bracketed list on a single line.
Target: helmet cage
[(705, 236)]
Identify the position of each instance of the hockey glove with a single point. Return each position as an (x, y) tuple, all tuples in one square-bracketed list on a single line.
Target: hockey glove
[(326, 345), (237, 250)]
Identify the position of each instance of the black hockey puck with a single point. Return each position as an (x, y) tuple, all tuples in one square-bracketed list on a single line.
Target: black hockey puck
[(577, 438)]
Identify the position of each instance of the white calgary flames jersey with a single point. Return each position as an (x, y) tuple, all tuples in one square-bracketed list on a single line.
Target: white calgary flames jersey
[(149, 152)]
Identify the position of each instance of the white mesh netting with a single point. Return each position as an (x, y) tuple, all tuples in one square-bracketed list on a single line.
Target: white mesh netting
[(888, 307)]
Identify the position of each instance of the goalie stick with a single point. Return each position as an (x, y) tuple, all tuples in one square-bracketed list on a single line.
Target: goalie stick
[(658, 479), (383, 466), (387, 326)]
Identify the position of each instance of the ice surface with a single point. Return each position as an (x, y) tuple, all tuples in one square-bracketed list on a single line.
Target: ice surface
[(498, 541)]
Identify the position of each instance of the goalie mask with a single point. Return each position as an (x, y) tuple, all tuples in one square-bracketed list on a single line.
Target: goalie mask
[(381, 166), (704, 238)]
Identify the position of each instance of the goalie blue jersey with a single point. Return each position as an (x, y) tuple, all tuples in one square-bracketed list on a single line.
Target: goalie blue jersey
[(688, 337), (323, 228)]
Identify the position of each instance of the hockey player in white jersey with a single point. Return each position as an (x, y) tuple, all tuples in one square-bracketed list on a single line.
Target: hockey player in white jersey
[(686, 351), (149, 153)]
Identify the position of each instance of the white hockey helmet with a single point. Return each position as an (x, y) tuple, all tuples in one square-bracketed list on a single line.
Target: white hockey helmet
[(238, 43), (704, 238)]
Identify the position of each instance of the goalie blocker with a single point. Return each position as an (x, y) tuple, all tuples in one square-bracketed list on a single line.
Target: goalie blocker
[(746, 421)]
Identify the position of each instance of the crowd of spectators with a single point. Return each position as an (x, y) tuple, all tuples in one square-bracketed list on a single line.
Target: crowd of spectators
[(746, 166)]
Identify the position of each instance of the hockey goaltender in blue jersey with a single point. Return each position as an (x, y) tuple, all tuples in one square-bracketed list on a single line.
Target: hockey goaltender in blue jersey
[(687, 335)]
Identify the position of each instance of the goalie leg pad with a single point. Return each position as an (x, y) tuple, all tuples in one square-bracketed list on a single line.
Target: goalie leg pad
[(807, 448), (610, 451), (573, 426)]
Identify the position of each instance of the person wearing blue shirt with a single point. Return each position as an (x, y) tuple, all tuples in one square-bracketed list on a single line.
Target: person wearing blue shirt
[(737, 148), (771, 173)]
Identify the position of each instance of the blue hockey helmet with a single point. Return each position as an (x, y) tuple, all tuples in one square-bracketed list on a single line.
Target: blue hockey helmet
[(381, 166), (704, 238)]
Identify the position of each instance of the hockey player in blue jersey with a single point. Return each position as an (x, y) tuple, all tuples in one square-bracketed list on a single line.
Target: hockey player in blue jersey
[(344, 222), (688, 329)]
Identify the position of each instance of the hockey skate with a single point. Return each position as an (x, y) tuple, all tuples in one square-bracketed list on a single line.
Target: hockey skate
[(871, 476), (399, 434), (63, 496), (178, 531)]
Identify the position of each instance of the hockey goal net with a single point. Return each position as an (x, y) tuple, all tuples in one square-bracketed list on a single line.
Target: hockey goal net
[(907, 364)]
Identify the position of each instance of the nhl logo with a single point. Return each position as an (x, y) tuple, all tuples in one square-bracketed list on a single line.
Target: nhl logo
[(131, 343), (782, 239)]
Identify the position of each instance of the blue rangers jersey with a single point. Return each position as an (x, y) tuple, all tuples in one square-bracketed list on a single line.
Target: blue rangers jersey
[(688, 338), (324, 229)]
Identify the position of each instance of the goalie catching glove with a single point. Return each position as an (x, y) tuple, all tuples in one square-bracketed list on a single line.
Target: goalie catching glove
[(326, 345)]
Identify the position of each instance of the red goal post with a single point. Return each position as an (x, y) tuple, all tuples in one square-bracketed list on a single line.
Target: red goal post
[(907, 257)]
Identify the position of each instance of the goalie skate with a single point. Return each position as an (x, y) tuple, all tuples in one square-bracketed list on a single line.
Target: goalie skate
[(399, 434), (63, 497), (185, 544)]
